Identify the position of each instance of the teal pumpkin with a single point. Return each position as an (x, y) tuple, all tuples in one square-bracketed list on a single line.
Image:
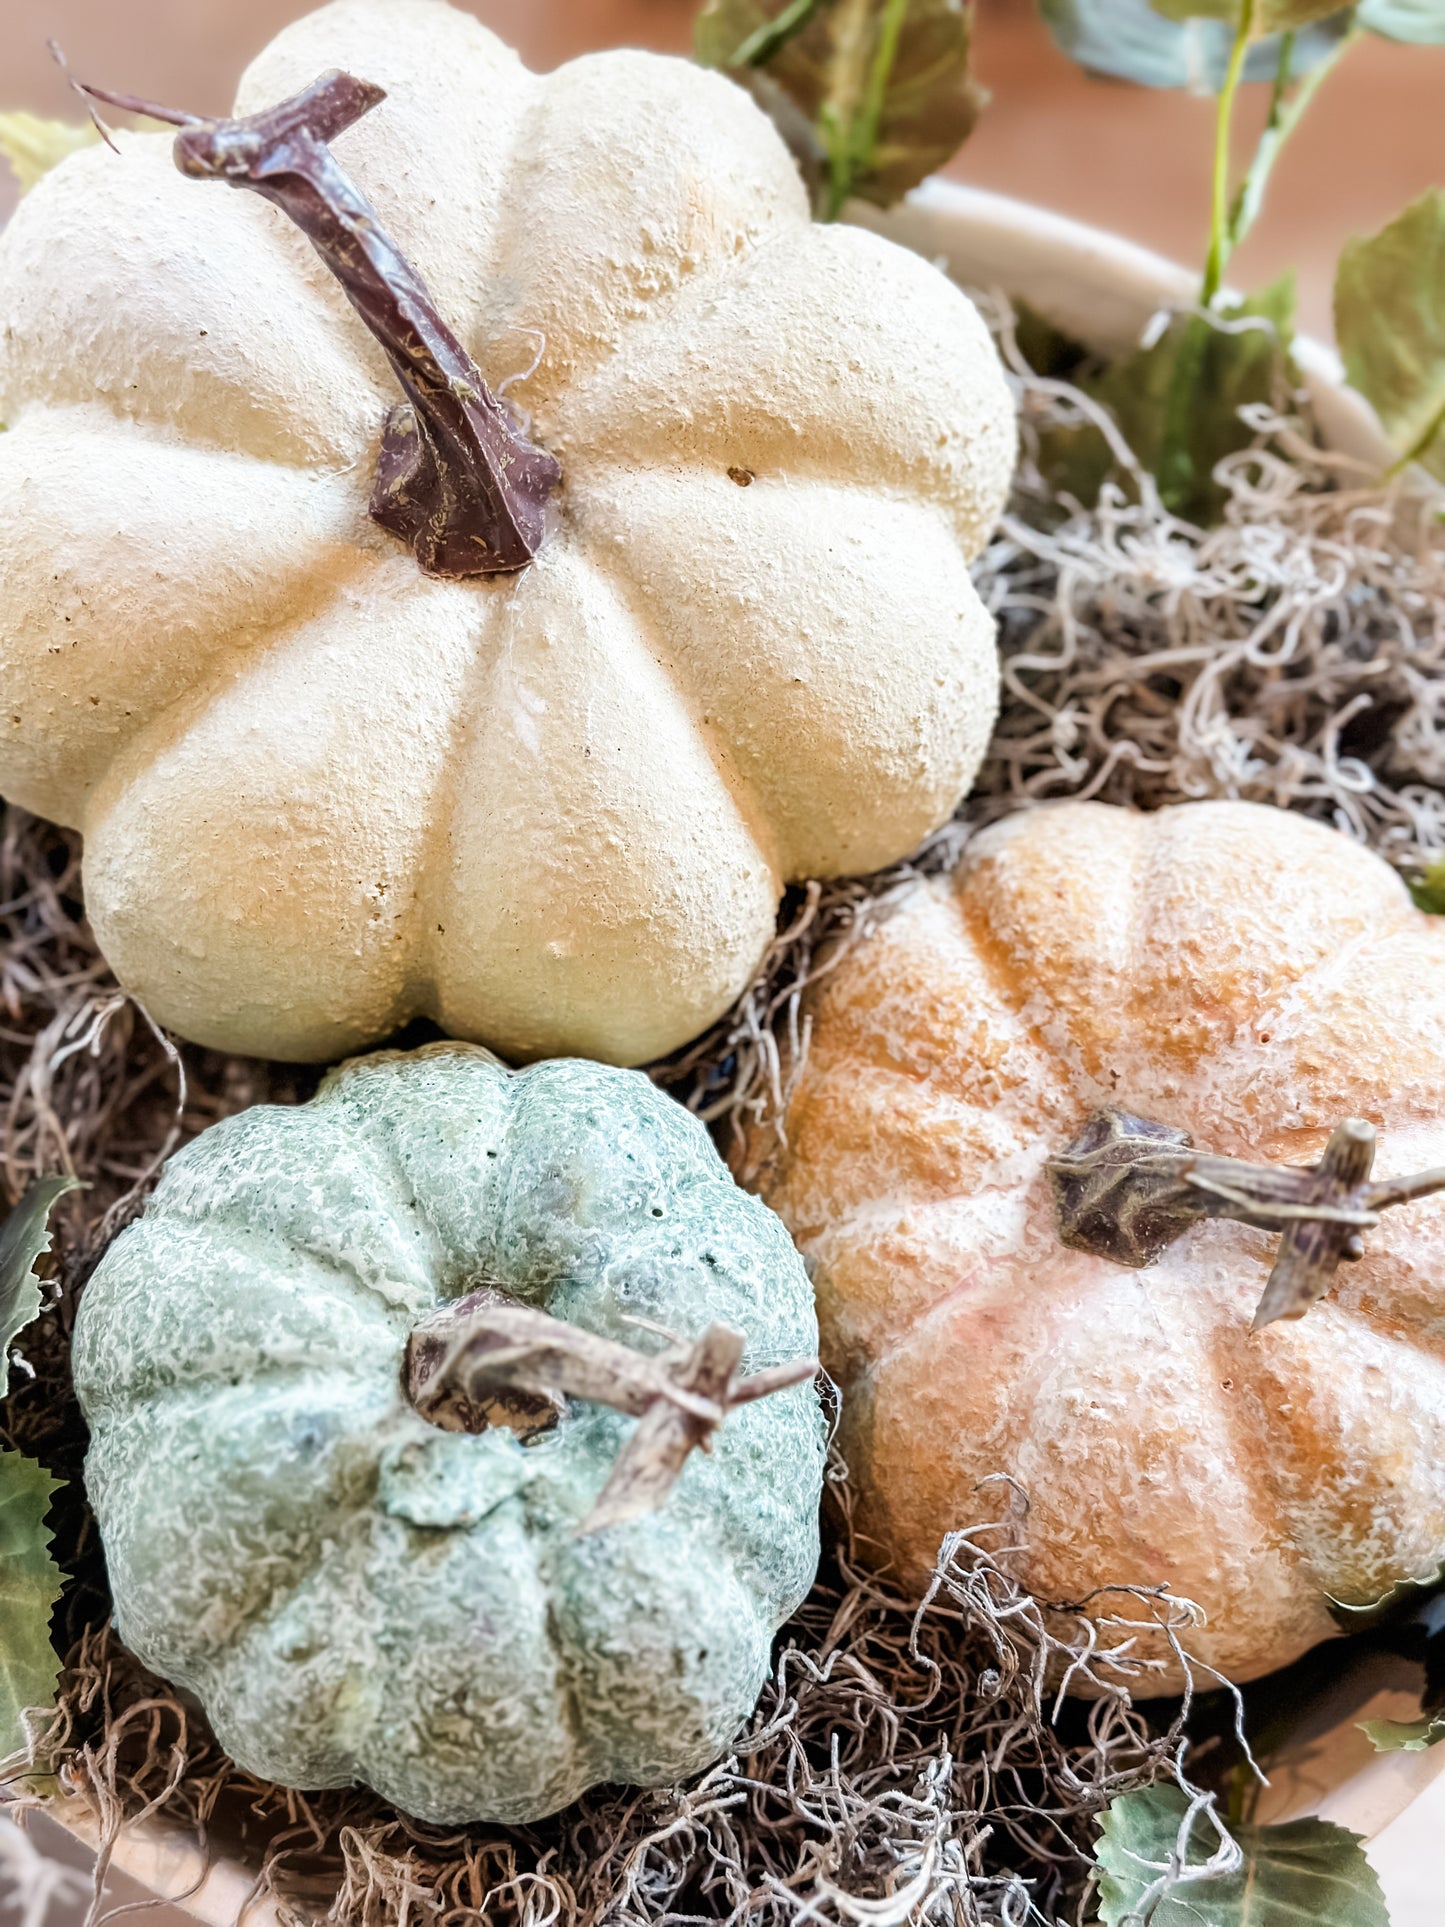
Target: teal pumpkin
[(356, 1595)]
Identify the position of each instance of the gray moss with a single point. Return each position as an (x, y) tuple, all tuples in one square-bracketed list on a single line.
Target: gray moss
[(356, 1596)]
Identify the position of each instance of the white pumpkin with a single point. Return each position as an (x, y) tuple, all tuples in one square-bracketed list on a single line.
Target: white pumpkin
[(323, 792)]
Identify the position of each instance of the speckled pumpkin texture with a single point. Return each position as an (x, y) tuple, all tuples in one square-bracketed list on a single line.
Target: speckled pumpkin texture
[(355, 1595), (322, 793), (1229, 969)]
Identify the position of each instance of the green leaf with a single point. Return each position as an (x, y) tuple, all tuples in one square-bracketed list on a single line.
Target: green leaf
[(1306, 1870), (29, 1587), (1428, 889), (1390, 323), (33, 146), (1405, 1736), (1221, 363), (1129, 40), (886, 85), (1419, 23), (24, 1236), (29, 1579), (1177, 403)]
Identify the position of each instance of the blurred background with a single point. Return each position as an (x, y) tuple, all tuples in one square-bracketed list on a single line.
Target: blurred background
[(1123, 157)]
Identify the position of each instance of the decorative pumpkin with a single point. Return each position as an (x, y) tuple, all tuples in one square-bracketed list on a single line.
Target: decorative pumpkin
[(329, 775), (354, 1593), (1223, 969)]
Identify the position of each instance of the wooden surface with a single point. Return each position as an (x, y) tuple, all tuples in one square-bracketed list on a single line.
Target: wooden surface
[(1123, 157)]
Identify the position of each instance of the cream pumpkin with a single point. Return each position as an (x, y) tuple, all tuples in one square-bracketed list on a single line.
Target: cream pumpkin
[(322, 791), (1222, 968)]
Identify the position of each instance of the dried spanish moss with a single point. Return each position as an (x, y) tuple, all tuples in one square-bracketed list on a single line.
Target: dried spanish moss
[(907, 1763), (88, 1084)]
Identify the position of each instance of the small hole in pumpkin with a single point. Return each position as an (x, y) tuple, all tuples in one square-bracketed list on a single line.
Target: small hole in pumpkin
[(657, 1211), (742, 476)]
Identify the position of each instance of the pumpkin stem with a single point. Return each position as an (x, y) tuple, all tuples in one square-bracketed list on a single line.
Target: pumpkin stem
[(1126, 1188), (488, 1360), (457, 479)]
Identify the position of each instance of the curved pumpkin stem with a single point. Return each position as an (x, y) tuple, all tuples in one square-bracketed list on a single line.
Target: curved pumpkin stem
[(1126, 1188), (457, 479)]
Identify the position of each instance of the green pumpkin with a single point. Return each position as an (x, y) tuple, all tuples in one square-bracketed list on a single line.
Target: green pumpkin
[(356, 1595)]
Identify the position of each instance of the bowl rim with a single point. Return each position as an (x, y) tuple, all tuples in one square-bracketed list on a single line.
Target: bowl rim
[(1096, 285)]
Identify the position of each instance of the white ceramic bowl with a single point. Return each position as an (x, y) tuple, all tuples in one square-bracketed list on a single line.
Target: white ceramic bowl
[(1096, 286)]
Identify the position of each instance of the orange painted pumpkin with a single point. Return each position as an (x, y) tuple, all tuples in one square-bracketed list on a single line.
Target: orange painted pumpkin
[(1222, 968)]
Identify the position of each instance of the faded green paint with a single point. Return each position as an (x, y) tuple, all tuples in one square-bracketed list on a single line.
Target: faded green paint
[(354, 1595)]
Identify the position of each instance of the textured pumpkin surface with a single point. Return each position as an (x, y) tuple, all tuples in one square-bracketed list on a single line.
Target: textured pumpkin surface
[(322, 793), (354, 1594), (1221, 967)]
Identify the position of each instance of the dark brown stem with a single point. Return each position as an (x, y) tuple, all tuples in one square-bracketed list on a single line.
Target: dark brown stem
[(457, 479), (487, 1360), (1126, 1188)]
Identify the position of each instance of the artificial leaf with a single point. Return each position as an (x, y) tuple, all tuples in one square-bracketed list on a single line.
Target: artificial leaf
[(1176, 402), (29, 1588), (1129, 40), (33, 146), (1269, 17), (1420, 23), (1421, 1593), (1405, 1736), (886, 85), (1428, 889), (24, 1236), (1390, 323), (1306, 1870)]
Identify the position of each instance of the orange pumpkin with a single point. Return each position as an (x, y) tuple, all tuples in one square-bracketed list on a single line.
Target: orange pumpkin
[(1226, 969)]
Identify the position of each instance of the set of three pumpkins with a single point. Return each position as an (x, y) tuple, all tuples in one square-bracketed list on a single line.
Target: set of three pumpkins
[(330, 777)]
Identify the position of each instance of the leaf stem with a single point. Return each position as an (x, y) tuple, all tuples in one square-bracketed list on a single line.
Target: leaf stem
[(1285, 114), (1219, 239), (878, 78), (851, 150), (764, 41)]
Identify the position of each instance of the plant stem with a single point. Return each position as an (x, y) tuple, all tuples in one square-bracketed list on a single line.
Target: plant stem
[(879, 76), (1230, 221), (1248, 200), (1219, 241), (853, 142), (837, 136), (1284, 116), (764, 41)]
